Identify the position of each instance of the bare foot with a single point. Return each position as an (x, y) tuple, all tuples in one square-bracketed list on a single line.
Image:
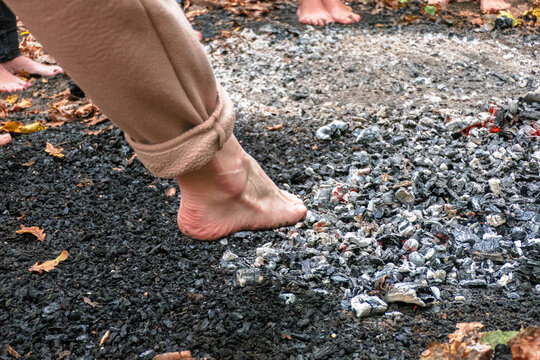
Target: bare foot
[(5, 139), (313, 12), (232, 193), (11, 83), (340, 12), (493, 6), (443, 3), (25, 64)]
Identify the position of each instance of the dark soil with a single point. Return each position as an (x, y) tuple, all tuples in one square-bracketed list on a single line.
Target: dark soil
[(157, 290)]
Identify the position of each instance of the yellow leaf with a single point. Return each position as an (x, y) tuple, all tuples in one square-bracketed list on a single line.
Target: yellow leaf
[(12, 99), (49, 265), (57, 152), (18, 127), (34, 230)]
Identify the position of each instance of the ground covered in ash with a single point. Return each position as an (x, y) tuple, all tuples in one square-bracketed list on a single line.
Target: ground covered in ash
[(414, 148)]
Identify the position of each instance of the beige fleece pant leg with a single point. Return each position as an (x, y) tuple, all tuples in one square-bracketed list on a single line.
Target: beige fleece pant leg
[(141, 63)]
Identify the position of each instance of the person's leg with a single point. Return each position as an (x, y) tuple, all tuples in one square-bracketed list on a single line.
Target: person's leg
[(141, 63), (9, 49)]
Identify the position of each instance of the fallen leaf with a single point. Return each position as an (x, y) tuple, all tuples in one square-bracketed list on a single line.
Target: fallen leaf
[(30, 163), (12, 99), (494, 338), (34, 230), (11, 351), (184, 355), (104, 338), (96, 119), (3, 109), (24, 73), (463, 344), (117, 169), (526, 345), (385, 177), (90, 302), (21, 105), (18, 127), (275, 127), (171, 192), (85, 110), (51, 150), (49, 265), (477, 21), (99, 131)]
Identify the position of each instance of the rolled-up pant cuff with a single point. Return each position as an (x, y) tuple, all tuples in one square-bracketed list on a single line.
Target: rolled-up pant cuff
[(194, 148)]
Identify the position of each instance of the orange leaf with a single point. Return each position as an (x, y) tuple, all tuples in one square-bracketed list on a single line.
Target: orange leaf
[(85, 110), (11, 351), (34, 230), (104, 338), (171, 192), (526, 344), (57, 152), (3, 110), (275, 127), (49, 265), (90, 302)]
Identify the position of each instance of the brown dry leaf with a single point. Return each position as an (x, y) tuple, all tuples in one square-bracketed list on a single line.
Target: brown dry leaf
[(54, 151), (184, 355), (99, 131), (477, 21), (34, 230), (275, 127), (11, 351), (463, 344), (12, 99), (104, 338), (49, 265), (117, 169), (24, 73), (21, 105), (385, 177), (171, 192), (18, 127), (86, 110), (3, 109), (96, 119), (63, 354), (526, 344), (30, 163), (90, 302)]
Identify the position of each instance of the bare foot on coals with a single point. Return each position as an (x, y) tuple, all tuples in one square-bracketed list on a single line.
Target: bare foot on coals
[(340, 12), (232, 193), (313, 12), (11, 83), (443, 3), (25, 64), (493, 6)]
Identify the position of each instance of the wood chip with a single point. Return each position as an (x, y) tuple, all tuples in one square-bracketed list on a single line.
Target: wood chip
[(11, 351), (104, 338), (403, 184)]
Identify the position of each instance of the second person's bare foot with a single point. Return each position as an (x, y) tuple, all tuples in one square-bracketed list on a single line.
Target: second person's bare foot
[(11, 83), (340, 12), (232, 193), (25, 64), (494, 6), (443, 3), (313, 12)]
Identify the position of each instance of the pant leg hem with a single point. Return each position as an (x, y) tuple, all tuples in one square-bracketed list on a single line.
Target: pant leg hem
[(194, 148)]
